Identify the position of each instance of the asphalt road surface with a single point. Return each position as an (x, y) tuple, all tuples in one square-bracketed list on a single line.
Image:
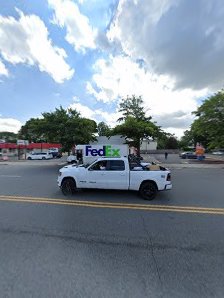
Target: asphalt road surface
[(110, 244)]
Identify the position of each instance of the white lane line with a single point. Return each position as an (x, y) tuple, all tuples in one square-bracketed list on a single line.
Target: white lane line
[(10, 176)]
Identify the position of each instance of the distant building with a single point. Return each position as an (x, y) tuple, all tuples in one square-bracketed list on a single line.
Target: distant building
[(148, 145)]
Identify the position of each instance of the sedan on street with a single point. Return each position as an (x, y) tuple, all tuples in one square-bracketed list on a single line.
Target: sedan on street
[(188, 155)]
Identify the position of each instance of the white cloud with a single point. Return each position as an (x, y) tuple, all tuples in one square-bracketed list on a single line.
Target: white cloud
[(98, 114), (67, 15), (179, 38), (83, 110), (26, 41), (10, 125), (178, 119), (3, 70), (119, 76)]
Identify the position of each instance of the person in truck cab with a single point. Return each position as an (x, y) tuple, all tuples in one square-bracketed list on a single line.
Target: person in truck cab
[(103, 165)]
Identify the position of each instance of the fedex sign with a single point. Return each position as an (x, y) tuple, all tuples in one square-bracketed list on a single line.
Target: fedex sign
[(107, 151)]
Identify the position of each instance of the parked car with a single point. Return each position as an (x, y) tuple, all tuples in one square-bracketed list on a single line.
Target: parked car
[(218, 152), (188, 155), (39, 155)]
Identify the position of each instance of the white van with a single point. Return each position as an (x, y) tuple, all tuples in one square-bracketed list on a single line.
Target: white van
[(39, 155)]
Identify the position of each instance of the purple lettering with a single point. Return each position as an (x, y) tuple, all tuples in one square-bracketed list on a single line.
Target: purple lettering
[(101, 152), (94, 152), (88, 149)]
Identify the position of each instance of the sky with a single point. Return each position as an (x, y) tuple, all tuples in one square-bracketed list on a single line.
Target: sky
[(89, 54)]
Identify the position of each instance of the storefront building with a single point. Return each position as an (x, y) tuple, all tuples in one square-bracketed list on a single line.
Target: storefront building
[(12, 150)]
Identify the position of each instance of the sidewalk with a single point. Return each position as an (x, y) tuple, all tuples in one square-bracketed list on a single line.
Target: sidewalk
[(209, 163), (192, 166), (24, 162)]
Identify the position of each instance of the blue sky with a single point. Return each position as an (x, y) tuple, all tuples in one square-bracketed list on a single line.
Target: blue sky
[(88, 54)]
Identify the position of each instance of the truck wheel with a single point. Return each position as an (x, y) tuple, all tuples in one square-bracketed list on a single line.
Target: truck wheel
[(148, 190), (68, 186)]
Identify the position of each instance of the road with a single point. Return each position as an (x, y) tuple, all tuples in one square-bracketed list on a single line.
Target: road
[(110, 244)]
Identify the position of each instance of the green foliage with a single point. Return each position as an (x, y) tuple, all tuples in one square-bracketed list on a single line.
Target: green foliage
[(32, 131), (103, 129), (172, 143), (187, 140), (208, 128), (136, 126), (161, 141), (167, 141), (61, 126), (137, 130), (133, 107), (8, 136)]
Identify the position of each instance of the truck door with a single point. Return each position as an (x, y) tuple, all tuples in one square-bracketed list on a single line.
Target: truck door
[(117, 176), (108, 174), (96, 177)]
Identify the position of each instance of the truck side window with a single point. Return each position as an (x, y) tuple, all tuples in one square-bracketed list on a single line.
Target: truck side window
[(116, 165), (99, 166)]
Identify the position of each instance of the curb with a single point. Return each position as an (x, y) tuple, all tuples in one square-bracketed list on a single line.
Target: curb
[(194, 166)]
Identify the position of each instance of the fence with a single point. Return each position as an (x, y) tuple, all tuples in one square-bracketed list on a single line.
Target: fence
[(161, 151)]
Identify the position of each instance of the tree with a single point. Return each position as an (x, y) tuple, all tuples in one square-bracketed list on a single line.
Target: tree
[(103, 129), (172, 143), (136, 126), (62, 126), (132, 107), (208, 128), (8, 136), (187, 140), (167, 141), (136, 130), (33, 130)]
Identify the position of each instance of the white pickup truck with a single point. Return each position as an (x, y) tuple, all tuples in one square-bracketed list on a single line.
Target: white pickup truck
[(115, 173)]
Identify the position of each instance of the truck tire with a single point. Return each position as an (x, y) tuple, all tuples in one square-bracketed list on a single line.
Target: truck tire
[(148, 190), (68, 186)]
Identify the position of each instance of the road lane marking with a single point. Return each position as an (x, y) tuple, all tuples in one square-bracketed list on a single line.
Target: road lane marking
[(10, 176), (111, 203), (95, 204)]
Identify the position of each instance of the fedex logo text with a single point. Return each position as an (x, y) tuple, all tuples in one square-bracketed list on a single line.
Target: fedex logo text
[(107, 151)]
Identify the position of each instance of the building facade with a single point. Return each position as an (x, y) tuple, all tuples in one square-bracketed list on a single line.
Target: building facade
[(12, 150)]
